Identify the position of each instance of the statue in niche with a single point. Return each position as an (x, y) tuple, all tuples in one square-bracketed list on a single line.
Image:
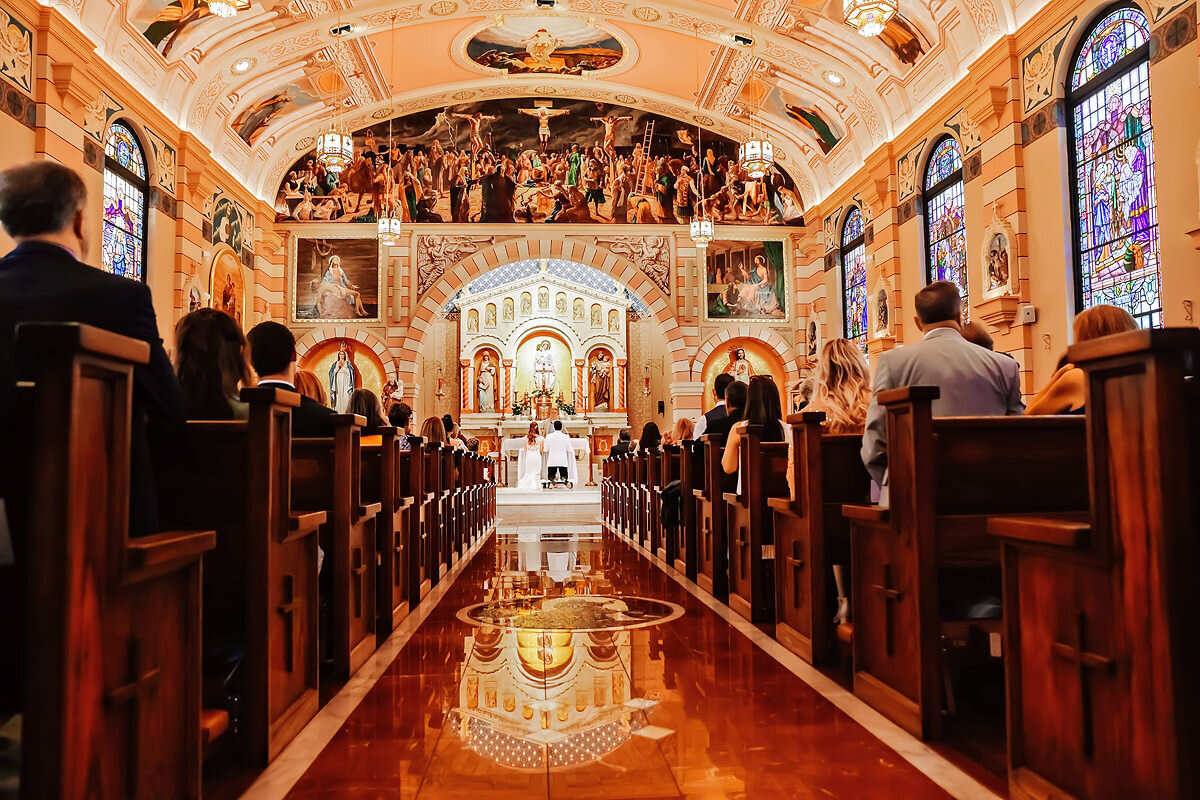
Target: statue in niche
[(485, 384), (560, 305), (342, 379), (489, 316), (614, 321), (526, 304), (881, 312), (739, 367), (508, 309), (596, 321), (577, 310), (601, 371), (472, 321), (812, 340), (545, 378), (543, 299)]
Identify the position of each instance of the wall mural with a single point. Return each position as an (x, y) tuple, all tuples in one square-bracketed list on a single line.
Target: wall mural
[(227, 285), (519, 45), (254, 118), (746, 281), (336, 279), (538, 161)]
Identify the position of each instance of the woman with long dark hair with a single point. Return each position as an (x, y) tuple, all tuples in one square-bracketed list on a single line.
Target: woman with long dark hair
[(651, 438), (762, 409), (364, 403), (212, 364)]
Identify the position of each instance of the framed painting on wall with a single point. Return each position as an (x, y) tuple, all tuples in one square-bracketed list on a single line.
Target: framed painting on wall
[(747, 281), (336, 278)]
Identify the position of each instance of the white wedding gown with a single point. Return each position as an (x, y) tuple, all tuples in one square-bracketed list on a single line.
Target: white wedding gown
[(529, 465)]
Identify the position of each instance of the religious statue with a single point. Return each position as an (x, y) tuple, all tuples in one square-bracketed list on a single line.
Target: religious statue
[(341, 379), (577, 310), (596, 321), (508, 309), (614, 322), (601, 373), (472, 321), (489, 316), (543, 299), (560, 305), (485, 384), (526, 304), (544, 378), (739, 367)]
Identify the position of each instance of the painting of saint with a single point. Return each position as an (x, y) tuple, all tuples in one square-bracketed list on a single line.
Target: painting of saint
[(739, 367), (997, 266), (508, 309), (560, 304), (543, 299), (343, 379), (526, 304), (812, 341), (811, 119), (597, 322), (539, 44), (227, 288), (881, 311), (336, 279), (473, 321), (614, 321), (754, 286)]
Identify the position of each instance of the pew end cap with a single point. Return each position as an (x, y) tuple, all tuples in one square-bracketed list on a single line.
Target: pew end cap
[(1071, 530), (909, 394), (73, 336)]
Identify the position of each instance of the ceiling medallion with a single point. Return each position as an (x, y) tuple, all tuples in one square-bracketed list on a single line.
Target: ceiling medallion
[(647, 14), (464, 95), (380, 113), (703, 120), (545, 90), (870, 17), (443, 8), (242, 65), (627, 99), (833, 78)]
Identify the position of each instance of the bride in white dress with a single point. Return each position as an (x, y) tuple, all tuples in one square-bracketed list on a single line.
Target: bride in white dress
[(529, 460)]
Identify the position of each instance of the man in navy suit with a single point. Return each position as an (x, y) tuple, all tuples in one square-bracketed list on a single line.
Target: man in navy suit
[(273, 356)]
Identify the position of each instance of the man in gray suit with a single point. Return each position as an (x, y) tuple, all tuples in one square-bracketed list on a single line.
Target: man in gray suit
[(974, 382)]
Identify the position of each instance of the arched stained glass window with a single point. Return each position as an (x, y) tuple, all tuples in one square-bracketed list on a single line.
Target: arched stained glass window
[(1112, 168), (945, 226), (854, 278), (123, 249)]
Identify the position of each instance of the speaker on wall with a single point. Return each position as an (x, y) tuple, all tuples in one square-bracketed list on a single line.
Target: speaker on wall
[(661, 408)]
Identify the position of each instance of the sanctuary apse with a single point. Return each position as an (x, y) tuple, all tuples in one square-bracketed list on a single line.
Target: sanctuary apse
[(490, 209)]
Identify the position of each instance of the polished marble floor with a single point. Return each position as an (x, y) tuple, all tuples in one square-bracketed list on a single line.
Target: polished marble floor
[(562, 663)]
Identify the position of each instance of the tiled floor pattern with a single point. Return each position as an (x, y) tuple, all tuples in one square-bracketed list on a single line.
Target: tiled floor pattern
[(576, 693)]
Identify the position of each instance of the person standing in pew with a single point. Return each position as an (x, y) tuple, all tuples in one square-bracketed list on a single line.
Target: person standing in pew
[(364, 403), (719, 411), (973, 381), (43, 207), (1066, 392), (212, 365), (273, 356), (763, 409), (735, 405)]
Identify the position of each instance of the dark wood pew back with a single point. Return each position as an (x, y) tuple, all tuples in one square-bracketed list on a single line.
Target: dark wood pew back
[(750, 527), (382, 482), (712, 559), (691, 477)]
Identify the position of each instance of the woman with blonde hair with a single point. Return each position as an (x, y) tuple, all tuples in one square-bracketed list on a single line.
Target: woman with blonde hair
[(1066, 392), (841, 387), (682, 432), (310, 386)]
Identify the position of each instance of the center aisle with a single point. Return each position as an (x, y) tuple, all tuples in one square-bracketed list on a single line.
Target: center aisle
[(637, 690)]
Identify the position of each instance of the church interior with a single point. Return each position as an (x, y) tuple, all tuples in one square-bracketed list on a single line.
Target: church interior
[(599, 399)]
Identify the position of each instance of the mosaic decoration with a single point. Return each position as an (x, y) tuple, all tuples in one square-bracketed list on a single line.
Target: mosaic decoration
[(945, 231), (537, 160), (854, 278), (16, 51), (124, 235), (1112, 163), (746, 281)]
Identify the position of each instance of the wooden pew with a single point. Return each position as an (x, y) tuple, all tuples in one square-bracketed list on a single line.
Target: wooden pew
[(382, 482), (668, 470), (112, 638), (827, 472), (1103, 697), (260, 583), (432, 516), (691, 478), (327, 476), (625, 471), (750, 526), (413, 484), (947, 476), (712, 554), (651, 503), (458, 499)]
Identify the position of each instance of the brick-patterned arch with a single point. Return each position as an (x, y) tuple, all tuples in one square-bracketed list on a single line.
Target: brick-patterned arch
[(770, 337), (471, 267), (314, 337)]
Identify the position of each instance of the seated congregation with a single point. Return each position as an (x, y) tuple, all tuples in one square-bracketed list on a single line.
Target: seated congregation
[(202, 551), (1008, 577)]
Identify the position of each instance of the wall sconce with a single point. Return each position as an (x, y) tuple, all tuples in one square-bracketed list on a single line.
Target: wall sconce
[(441, 384)]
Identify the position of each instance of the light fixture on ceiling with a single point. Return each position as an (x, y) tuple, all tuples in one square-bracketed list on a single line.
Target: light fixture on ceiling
[(227, 8), (389, 217), (870, 17), (701, 227), (335, 146), (242, 66), (743, 39), (341, 30), (546, 3), (756, 154), (833, 78)]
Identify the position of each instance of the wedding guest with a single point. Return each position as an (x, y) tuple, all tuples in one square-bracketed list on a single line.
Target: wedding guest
[(975, 333), (273, 356), (211, 362), (651, 439), (1066, 392), (682, 432), (433, 431), (841, 387), (401, 417), (622, 446), (309, 385), (736, 394), (764, 410), (719, 411), (364, 403)]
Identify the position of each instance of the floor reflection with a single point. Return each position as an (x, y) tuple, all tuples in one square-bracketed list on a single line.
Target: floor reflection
[(562, 663)]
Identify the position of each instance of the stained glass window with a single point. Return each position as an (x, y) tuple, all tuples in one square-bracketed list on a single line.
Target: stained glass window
[(1112, 169), (123, 250), (854, 279), (945, 226)]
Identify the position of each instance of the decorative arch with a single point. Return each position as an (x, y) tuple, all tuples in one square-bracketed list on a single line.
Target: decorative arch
[(318, 335), (468, 269), (770, 337)]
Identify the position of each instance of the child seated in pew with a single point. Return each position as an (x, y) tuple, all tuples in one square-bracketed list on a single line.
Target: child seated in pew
[(364, 403), (310, 386), (212, 365), (1066, 391)]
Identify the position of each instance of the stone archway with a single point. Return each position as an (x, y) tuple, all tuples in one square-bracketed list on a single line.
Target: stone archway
[(462, 272), (318, 335), (770, 337)]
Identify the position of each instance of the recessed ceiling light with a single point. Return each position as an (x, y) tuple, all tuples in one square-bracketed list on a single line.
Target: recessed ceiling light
[(743, 39), (834, 78), (242, 66)]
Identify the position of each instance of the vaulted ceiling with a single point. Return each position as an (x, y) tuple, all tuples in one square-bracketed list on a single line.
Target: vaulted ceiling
[(219, 78)]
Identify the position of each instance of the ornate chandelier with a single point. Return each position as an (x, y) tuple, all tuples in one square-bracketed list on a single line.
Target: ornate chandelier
[(389, 226), (702, 232), (869, 17), (756, 155), (389, 220), (227, 8), (335, 148)]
